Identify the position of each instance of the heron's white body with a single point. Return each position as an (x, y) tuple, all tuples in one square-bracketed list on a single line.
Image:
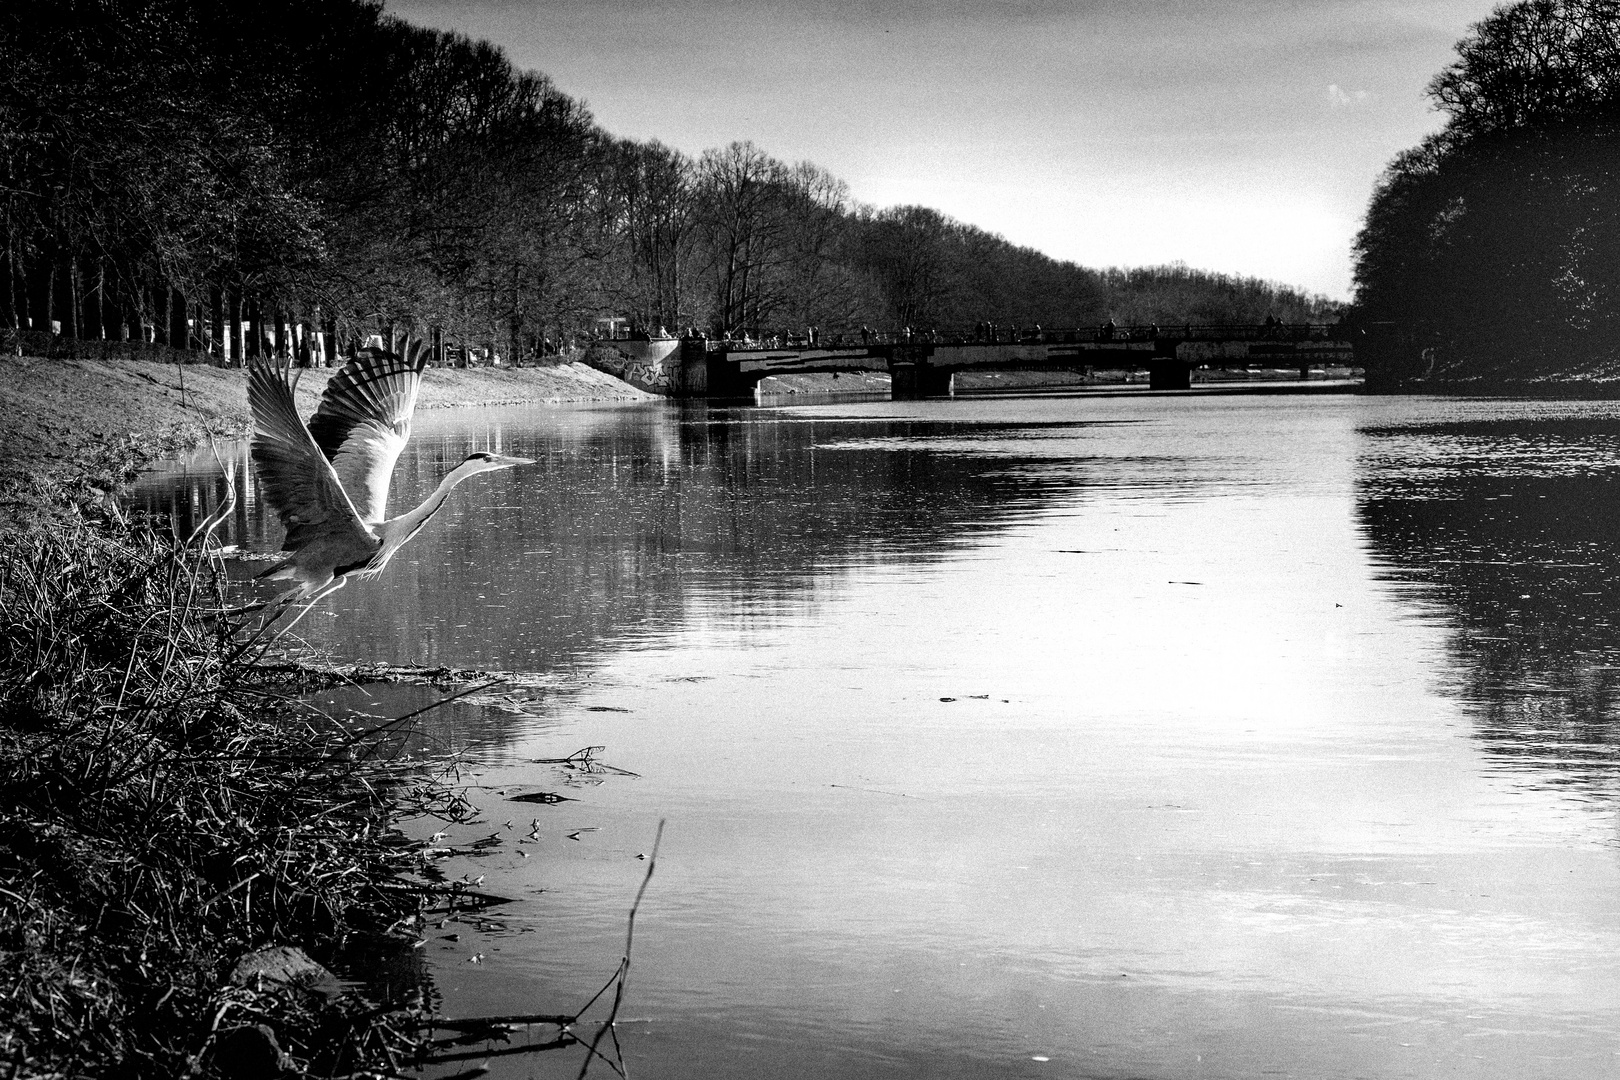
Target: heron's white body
[(328, 481)]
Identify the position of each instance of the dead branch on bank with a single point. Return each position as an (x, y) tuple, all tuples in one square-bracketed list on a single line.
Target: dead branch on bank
[(499, 1028)]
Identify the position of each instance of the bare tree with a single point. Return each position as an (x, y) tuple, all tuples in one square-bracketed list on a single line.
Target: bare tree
[(740, 199)]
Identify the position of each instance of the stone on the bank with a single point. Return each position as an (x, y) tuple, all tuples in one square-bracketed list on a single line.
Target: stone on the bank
[(283, 964)]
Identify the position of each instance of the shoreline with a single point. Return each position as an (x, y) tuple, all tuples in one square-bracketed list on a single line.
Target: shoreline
[(1570, 389)]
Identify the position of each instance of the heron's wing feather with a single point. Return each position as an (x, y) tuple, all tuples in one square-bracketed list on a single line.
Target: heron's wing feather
[(296, 478), (364, 420)]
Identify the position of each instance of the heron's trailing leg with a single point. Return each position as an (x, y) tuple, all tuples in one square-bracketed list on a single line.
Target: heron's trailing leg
[(241, 609), (278, 607), (334, 586)]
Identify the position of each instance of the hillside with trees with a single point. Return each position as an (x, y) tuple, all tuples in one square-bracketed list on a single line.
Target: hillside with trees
[(1493, 248), (171, 169)]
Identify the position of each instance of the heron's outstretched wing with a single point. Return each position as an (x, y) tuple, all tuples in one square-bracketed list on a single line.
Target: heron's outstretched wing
[(297, 479), (364, 420)]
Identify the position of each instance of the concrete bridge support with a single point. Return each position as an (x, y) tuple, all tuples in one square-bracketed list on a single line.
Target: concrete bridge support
[(725, 380), (691, 376), (1167, 371), (916, 379)]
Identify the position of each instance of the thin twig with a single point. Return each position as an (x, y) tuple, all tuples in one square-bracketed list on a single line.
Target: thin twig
[(624, 964)]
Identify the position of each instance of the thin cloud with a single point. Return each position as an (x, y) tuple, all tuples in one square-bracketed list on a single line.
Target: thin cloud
[(1346, 99)]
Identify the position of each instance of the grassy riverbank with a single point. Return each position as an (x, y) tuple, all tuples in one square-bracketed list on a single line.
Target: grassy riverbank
[(168, 810), (85, 423), (165, 812)]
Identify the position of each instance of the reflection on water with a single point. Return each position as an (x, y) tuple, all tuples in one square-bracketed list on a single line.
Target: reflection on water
[(632, 516), (1508, 516), (1144, 737)]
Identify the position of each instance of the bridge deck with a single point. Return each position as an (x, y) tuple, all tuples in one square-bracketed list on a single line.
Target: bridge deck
[(1099, 346), (923, 365)]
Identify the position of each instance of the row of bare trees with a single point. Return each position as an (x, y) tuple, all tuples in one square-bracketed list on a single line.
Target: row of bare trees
[(290, 175)]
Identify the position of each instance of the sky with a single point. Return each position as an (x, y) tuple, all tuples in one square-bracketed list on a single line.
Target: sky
[(1241, 136)]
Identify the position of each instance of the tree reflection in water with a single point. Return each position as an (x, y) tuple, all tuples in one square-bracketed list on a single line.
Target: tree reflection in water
[(632, 519), (1511, 530)]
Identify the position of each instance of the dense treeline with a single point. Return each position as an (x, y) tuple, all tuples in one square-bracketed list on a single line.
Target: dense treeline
[(317, 170), (1496, 243)]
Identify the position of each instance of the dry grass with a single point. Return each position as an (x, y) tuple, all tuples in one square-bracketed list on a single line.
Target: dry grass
[(163, 810)]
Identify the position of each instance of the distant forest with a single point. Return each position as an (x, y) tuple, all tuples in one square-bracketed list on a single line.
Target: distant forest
[(1493, 248), (171, 166)]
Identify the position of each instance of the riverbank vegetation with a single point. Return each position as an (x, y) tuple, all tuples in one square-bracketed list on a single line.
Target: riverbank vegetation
[(171, 170), (1492, 250), (165, 811)]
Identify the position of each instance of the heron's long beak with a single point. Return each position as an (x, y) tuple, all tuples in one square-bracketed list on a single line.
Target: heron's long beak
[(502, 460)]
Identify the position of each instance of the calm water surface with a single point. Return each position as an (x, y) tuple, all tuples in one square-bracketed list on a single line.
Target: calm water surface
[(1053, 737)]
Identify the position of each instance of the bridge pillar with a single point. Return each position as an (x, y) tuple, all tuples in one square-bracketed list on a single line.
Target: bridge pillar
[(690, 379), (724, 379), (1166, 371), (913, 379)]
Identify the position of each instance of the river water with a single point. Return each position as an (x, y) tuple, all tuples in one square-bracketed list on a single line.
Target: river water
[(1147, 737)]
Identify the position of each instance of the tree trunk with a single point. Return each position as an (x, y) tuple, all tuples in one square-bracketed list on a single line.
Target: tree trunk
[(105, 312), (255, 330), (216, 324), (70, 273), (22, 303), (161, 323), (49, 306), (179, 326), (11, 290), (10, 316), (129, 318), (235, 335)]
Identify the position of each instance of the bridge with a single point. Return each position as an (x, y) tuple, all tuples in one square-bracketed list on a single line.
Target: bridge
[(923, 365)]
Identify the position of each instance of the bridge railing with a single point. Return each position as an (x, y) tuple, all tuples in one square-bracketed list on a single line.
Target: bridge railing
[(987, 334)]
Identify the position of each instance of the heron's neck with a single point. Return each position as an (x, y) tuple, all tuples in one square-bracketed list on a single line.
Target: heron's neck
[(396, 531)]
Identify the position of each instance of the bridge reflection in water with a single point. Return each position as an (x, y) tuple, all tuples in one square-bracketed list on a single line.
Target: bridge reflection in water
[(924, 365)]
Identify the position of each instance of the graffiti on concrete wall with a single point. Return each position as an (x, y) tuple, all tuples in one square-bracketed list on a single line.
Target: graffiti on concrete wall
[(646, 365)]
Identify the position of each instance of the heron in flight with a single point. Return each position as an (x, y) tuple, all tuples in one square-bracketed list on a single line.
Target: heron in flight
[(328, 482)]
